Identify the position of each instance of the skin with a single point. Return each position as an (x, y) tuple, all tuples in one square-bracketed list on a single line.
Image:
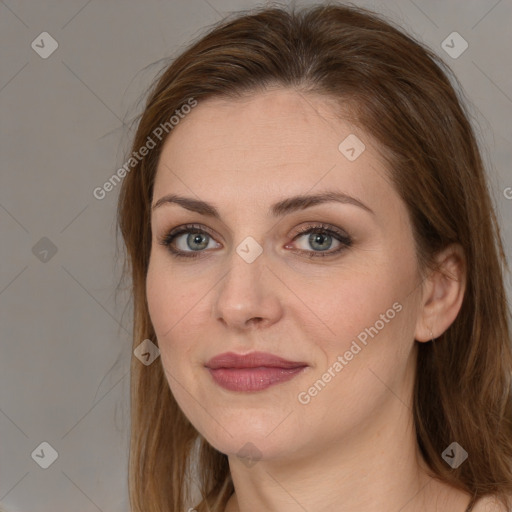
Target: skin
[(352, 447)]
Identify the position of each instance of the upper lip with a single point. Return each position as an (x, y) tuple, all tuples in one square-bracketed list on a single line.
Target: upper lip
[(252, 360)]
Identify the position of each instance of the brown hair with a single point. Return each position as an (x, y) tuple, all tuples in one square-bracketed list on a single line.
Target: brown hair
[(399, 91)]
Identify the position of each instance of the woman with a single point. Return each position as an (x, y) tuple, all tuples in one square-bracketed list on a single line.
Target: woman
[(314, 251)]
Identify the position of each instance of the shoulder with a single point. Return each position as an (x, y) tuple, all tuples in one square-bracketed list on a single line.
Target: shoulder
[(490, 504)]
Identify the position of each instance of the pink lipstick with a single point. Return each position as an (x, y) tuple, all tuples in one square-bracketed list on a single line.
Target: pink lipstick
[(252, 372)]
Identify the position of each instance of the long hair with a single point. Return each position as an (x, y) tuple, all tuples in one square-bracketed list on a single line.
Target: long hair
[(398, 90)]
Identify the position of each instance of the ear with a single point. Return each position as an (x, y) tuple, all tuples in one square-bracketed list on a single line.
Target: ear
[(443, 292)]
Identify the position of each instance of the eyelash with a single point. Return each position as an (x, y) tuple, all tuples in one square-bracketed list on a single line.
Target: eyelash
[(343, 238)]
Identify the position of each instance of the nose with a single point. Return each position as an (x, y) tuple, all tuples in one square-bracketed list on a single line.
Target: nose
[(248, 294)]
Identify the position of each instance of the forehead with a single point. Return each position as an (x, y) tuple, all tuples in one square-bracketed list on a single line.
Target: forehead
[(279, 142)]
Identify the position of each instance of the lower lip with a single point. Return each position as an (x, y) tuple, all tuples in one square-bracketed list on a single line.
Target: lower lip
[(252, 379)]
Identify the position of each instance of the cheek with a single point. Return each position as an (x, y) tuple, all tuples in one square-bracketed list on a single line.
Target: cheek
[(372, 316), (363, 304), (168, 302), (165, 310), (372, 356), (159, 299), (175, 307)]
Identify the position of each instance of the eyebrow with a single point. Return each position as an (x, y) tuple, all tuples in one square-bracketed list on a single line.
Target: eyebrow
[(283, 207)]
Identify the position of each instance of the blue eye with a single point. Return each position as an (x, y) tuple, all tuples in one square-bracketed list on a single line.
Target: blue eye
[(319, 235), (197, 239)]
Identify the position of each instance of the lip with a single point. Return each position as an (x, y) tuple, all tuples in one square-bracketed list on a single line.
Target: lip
[(252, 372), (251, 360)]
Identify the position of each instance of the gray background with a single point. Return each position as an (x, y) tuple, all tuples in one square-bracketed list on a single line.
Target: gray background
[(65, 339)]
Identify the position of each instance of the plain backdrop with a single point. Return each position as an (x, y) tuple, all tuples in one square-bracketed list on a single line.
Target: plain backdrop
[(65, 118)]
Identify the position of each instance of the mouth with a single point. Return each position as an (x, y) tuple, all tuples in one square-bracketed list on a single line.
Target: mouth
[(252, 372)]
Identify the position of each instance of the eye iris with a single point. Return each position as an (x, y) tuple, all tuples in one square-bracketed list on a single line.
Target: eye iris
[(196, 238), (313, 238)]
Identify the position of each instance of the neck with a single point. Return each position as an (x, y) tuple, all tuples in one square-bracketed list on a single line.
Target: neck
[(376, 469)]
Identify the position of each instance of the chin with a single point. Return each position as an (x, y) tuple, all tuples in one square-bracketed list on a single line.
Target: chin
[(248, 431), (249, 448)]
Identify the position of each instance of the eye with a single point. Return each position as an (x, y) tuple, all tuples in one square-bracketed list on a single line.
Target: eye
[(192, 245), (320, 239)]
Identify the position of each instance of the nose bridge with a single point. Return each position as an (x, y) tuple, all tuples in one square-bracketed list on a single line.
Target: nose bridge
[(245, 293)]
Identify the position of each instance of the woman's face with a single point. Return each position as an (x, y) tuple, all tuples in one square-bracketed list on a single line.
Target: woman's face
[(341, 304)]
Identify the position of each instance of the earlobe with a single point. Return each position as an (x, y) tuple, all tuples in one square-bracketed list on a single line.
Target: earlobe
[(443, 294)]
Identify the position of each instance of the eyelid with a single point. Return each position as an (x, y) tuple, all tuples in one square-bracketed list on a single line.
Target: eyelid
[(322, 227)]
